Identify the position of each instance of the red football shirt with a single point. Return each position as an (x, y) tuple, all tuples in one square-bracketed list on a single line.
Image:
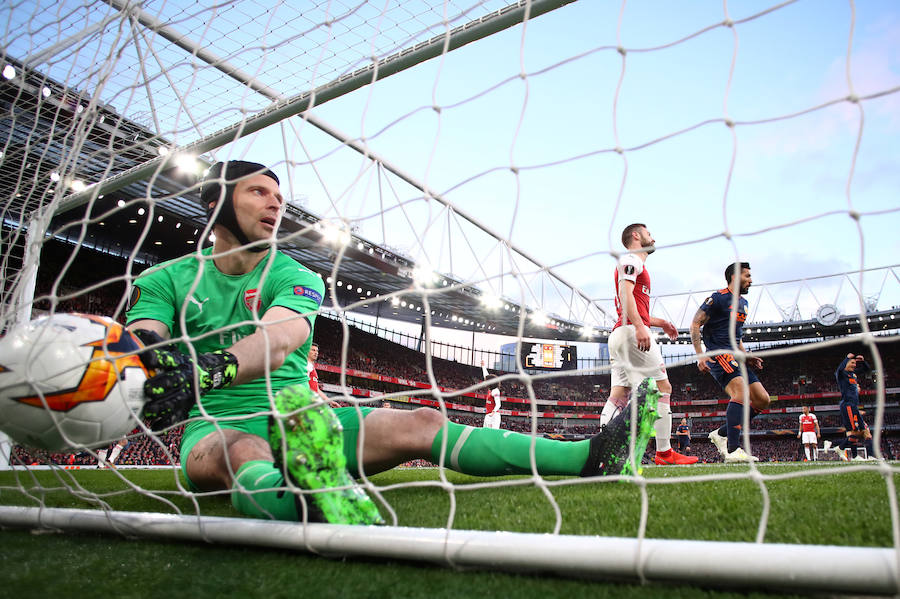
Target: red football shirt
[(631, 268)]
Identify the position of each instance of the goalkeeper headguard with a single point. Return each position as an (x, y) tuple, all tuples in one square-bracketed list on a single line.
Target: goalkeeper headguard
[(219, 183)]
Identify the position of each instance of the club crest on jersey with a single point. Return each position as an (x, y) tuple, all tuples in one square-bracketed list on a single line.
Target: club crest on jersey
[(251, 298), (307, 292)]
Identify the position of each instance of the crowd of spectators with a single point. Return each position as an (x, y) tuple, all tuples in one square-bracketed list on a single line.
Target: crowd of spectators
[(810, 369), (372, 354), (82, 285), (141, 450)]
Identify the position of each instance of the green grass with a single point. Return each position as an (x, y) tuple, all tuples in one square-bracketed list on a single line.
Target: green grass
[(805, 509)]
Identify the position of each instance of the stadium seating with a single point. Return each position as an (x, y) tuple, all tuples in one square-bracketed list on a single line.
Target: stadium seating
[(569, 405)]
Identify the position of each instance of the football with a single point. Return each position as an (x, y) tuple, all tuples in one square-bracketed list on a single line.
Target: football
[(69, 382)]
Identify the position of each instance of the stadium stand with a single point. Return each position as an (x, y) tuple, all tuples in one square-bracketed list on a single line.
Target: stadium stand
[(567, 406), (86, 270), (140, 451)]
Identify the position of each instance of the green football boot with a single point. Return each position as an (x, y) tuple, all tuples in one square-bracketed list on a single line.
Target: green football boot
[(609, 452), (309, 449)]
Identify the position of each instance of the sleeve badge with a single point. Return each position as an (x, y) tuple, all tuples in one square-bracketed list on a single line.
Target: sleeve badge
[(308, 292)]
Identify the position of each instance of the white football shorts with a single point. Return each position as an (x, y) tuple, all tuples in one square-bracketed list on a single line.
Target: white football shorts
[(492, 420), (629, 365)]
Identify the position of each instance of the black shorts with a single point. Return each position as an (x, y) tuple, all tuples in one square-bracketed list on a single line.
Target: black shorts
[(850, 417), (724, 368), (683, 441)]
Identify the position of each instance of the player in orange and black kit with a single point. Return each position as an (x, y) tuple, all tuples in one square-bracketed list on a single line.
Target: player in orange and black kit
[(683, 435), (848, 381), (714, 318)]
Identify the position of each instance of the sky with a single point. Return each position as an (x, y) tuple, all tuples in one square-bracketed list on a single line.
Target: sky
[(552, 141)]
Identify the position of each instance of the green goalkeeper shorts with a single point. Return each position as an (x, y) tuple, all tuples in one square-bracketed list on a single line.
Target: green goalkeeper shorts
[(258, 426)]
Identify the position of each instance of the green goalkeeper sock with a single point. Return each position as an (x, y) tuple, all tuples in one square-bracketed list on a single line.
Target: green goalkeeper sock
[(250, 498), (495, 452)]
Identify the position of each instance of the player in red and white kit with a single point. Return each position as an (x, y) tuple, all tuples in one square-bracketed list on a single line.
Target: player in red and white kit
[(633, 352), (311, 358), (809, 433), (106, 458), (491, 404)]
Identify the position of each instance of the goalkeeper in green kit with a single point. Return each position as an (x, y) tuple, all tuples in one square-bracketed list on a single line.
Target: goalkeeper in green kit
[(227, 331)]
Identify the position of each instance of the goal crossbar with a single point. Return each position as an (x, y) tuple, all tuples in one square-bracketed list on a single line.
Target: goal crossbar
[(722, 564), (297, 104)]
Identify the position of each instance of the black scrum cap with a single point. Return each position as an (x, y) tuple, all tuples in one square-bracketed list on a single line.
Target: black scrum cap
[(219, 183)]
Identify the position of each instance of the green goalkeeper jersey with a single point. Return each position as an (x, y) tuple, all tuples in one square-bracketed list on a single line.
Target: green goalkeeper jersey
[(218, 310)]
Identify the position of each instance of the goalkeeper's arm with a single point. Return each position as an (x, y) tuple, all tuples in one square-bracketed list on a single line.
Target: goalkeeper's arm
[(171, 391), (281, 334)]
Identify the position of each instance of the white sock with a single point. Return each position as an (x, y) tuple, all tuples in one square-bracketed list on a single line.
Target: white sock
[(114, 454), (663, 426), (610, 410), (806, 449)]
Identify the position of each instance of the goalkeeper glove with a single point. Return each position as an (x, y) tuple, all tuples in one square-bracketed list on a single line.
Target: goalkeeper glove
[(170, 391)]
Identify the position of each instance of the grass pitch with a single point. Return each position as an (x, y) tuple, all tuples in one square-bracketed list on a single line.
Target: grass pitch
[(808, 504)]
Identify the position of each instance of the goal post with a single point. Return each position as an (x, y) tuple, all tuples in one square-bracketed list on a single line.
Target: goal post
[(776, 567), (396, 228)]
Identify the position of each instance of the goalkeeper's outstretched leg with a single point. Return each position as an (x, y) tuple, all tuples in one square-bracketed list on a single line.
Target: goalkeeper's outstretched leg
[(317, 450), (391, 437), (610, 448)]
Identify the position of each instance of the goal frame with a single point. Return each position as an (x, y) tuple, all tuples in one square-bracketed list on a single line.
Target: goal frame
[(776, 566), (722, 564)]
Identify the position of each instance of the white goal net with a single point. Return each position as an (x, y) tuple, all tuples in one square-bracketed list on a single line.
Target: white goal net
[(459, 174)]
